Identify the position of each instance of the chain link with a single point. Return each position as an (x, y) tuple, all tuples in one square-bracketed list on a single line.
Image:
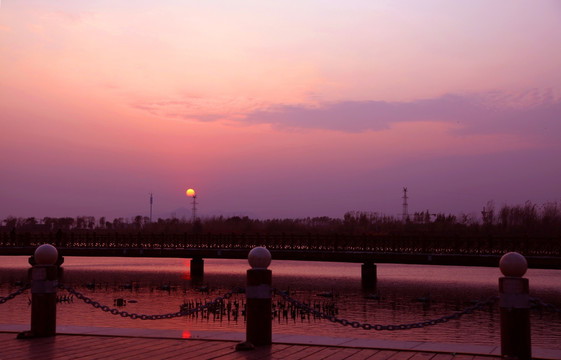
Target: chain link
[(542, 305), (114, 311), (14, 294), (366, 326), (219, 300)]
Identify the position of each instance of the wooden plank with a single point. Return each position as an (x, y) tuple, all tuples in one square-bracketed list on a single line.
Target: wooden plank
[(422, 356), (382, 355), (208, 350), (402, 355), (297, 352), (286, 353), (199, 349), (108, 347), (338, 353), (333, 353), (448, 356), (262, 352), (158, 348), (364, 354)]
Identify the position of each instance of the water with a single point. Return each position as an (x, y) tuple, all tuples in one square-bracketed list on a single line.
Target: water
[(159, 286)]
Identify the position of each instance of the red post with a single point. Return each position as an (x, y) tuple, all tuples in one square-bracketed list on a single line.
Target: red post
[(514, 303)]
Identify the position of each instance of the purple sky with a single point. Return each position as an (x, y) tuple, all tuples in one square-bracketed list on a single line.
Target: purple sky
[(278, 110)]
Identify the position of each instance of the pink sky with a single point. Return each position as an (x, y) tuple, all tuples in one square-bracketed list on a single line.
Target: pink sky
[(288, 109)]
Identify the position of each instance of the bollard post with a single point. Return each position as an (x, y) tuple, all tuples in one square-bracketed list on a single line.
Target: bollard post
[(258, 300), (369, 275), (44, 283), (197, 268), (514, 303)]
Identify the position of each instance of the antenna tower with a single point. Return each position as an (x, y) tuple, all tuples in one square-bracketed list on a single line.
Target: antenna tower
[(194, 208), (151, 200), (405, 213)]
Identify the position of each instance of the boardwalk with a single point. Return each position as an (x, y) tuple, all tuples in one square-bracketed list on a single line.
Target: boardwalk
[(105, 347), (74, 342)]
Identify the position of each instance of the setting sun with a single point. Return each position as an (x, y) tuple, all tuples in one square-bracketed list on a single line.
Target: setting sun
[(190, 192)]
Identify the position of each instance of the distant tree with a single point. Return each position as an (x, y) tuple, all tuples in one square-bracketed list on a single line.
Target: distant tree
[(66, 223), (90, 222), (11, 222), (468, 219), (530, 215), (49, 222), (488, 213), (137, 222), (551, 215), (30, 221), (118, 223), (427, 217), (197, 227), (80, 222)]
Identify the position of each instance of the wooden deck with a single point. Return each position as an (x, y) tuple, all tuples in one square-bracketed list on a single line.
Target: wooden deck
[(118, 347)]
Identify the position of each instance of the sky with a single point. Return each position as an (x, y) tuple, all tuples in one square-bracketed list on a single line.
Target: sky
[(277, 109)]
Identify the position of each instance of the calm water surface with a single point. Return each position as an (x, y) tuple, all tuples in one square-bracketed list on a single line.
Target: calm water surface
[(159, 286)]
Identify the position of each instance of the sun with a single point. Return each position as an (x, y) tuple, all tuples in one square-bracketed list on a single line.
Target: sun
[(190, 192)]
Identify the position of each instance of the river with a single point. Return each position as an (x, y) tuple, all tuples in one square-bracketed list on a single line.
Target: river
[(404, 294)]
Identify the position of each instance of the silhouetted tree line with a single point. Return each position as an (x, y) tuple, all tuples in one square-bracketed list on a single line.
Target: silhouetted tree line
[(529, 219)]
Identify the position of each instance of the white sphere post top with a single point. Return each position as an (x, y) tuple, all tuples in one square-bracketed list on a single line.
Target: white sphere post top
[(46, 254), (513, 264), (259, 258)]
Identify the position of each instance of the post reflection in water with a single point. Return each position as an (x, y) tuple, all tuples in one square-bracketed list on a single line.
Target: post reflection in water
[(405, 294), (187, 271)]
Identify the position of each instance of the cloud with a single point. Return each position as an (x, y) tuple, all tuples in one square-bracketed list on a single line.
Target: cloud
[(349, 116), (199, 108), (531, 111)]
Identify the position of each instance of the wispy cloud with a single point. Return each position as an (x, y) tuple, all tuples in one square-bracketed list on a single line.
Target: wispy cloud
[(202, 109), (532, 111), (532, 114)]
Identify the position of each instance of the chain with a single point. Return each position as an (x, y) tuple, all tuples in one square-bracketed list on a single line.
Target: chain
[(219, 300), (542, 305), (125, 314), (14, 294), (366, 326)]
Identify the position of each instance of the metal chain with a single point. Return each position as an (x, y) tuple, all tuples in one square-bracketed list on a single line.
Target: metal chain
[(354, 324), (549, 307), (124, 314), (366, 326), (14, 294)]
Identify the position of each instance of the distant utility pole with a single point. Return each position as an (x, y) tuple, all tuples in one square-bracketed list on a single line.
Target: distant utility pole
[(194, 208), (191, 193), (405, 214), (151, 200)]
